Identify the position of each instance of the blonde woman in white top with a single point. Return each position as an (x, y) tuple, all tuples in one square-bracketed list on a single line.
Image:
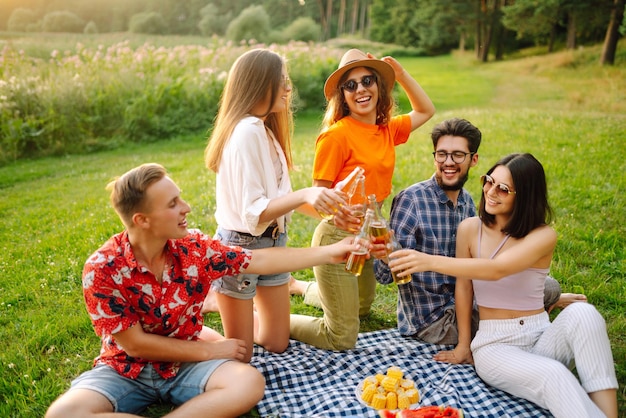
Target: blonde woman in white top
[(250, 150)]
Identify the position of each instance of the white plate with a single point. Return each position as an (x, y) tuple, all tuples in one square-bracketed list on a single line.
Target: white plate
[(359, 391)]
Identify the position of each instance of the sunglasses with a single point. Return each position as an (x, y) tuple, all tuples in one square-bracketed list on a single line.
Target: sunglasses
[(501, 189), (352, 85)]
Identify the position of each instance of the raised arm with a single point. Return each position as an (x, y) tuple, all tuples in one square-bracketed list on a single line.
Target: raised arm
[(422, 107)]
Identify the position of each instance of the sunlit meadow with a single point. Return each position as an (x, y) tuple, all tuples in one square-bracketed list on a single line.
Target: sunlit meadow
[(124, 95), (94, 97)]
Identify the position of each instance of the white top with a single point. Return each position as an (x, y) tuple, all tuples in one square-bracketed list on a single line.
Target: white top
[(247, 181)]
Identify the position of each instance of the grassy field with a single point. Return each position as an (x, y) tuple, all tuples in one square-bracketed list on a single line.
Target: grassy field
[(563, 108)]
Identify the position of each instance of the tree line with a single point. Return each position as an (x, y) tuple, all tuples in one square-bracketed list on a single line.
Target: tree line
[(491, 28)]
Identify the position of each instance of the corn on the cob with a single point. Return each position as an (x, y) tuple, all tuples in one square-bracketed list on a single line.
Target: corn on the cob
[(413, 395), (395, 371), (379, 377), (368, 393), (407, 384), (379, 401), (390, 384), (403, 401), (392, 401), (370, 380)]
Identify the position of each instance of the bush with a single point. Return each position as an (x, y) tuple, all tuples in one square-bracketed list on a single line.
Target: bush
[(20, 20), (148, 22), (62, 22), (91, 28), (303, 29), (55, 102), (252, 23), (213, 22)]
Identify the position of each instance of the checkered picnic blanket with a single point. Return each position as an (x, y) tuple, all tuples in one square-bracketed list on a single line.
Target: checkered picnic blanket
[(308, 382)]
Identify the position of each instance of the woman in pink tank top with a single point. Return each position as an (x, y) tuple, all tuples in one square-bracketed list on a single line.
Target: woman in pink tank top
[(502, 258)]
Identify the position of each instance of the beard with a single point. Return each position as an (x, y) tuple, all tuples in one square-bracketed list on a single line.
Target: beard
[(454, 186)]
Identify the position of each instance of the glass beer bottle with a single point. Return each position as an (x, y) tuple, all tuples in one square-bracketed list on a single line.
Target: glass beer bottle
[(378, 225), (356, 260), (392, 246), (357, 200), (345, 186)]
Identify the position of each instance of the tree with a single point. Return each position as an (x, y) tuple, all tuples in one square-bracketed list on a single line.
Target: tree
[(537, 20), (381, 28), (148, 22), (612, 34), (213, 22), (20, 19), (404, 28), (62, 22), (303, 29), (442, 25), (252, 23)]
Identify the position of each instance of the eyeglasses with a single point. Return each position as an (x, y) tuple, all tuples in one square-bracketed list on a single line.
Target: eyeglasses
[(352, 85), (501, 189), (457, 156)]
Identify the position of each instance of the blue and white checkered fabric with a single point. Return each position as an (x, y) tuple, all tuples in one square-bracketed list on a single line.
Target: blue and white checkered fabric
[(308, 382)]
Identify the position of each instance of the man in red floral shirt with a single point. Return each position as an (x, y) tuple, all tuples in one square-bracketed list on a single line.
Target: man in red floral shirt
[(144, 290)]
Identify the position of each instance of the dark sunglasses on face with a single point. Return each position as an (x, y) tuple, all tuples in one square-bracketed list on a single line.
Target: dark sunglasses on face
[(352, 85), (501, 189)]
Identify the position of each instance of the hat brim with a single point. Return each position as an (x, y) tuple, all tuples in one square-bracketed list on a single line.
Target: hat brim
[(385, 70)]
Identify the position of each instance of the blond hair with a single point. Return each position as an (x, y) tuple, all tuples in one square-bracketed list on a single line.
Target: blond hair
[(128, 191)]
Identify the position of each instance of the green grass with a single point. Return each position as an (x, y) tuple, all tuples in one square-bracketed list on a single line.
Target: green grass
[(55, 211)]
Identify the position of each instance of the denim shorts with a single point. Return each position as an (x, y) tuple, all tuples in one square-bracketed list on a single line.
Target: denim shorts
[(244, 286), (134, 395)]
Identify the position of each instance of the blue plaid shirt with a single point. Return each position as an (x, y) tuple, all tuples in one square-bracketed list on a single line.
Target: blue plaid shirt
[(424, 219)]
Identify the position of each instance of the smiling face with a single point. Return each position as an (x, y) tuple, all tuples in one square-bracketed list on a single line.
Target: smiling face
[(281, 103), (496, 201), (362, 101), (450, 175), (166, 212)]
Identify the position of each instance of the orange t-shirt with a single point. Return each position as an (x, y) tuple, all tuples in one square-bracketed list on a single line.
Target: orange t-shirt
[(349, 143)]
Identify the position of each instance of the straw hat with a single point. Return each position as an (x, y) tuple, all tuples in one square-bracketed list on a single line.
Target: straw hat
[(355, 58)]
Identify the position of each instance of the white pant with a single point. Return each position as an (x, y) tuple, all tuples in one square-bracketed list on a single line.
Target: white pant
[(529, 357)]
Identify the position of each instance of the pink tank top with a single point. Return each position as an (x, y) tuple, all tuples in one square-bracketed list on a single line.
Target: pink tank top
[(521, 291)]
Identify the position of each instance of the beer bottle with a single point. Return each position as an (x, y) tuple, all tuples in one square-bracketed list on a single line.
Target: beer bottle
[(345, 186), (378, 225), (392, 246), (357, 198), (356, 260)]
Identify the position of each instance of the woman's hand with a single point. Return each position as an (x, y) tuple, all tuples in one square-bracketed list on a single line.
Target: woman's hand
[(344, 219), (340, 251), (460, 355), (408, 261), (324, 200)]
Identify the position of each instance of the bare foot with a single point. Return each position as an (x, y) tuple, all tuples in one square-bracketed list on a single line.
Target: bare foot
[(297, 287), (567, 299), (210, 303)]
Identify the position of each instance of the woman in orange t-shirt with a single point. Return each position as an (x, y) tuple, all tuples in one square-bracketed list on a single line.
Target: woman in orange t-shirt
[(358, 130)]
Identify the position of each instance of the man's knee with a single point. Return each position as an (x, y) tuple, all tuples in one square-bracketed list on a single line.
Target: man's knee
[(552, 292)]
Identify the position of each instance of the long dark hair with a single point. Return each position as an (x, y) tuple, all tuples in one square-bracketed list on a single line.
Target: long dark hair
[(531, 208)]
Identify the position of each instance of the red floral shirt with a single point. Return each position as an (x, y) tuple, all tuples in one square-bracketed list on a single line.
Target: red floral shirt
[(120, 293)]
